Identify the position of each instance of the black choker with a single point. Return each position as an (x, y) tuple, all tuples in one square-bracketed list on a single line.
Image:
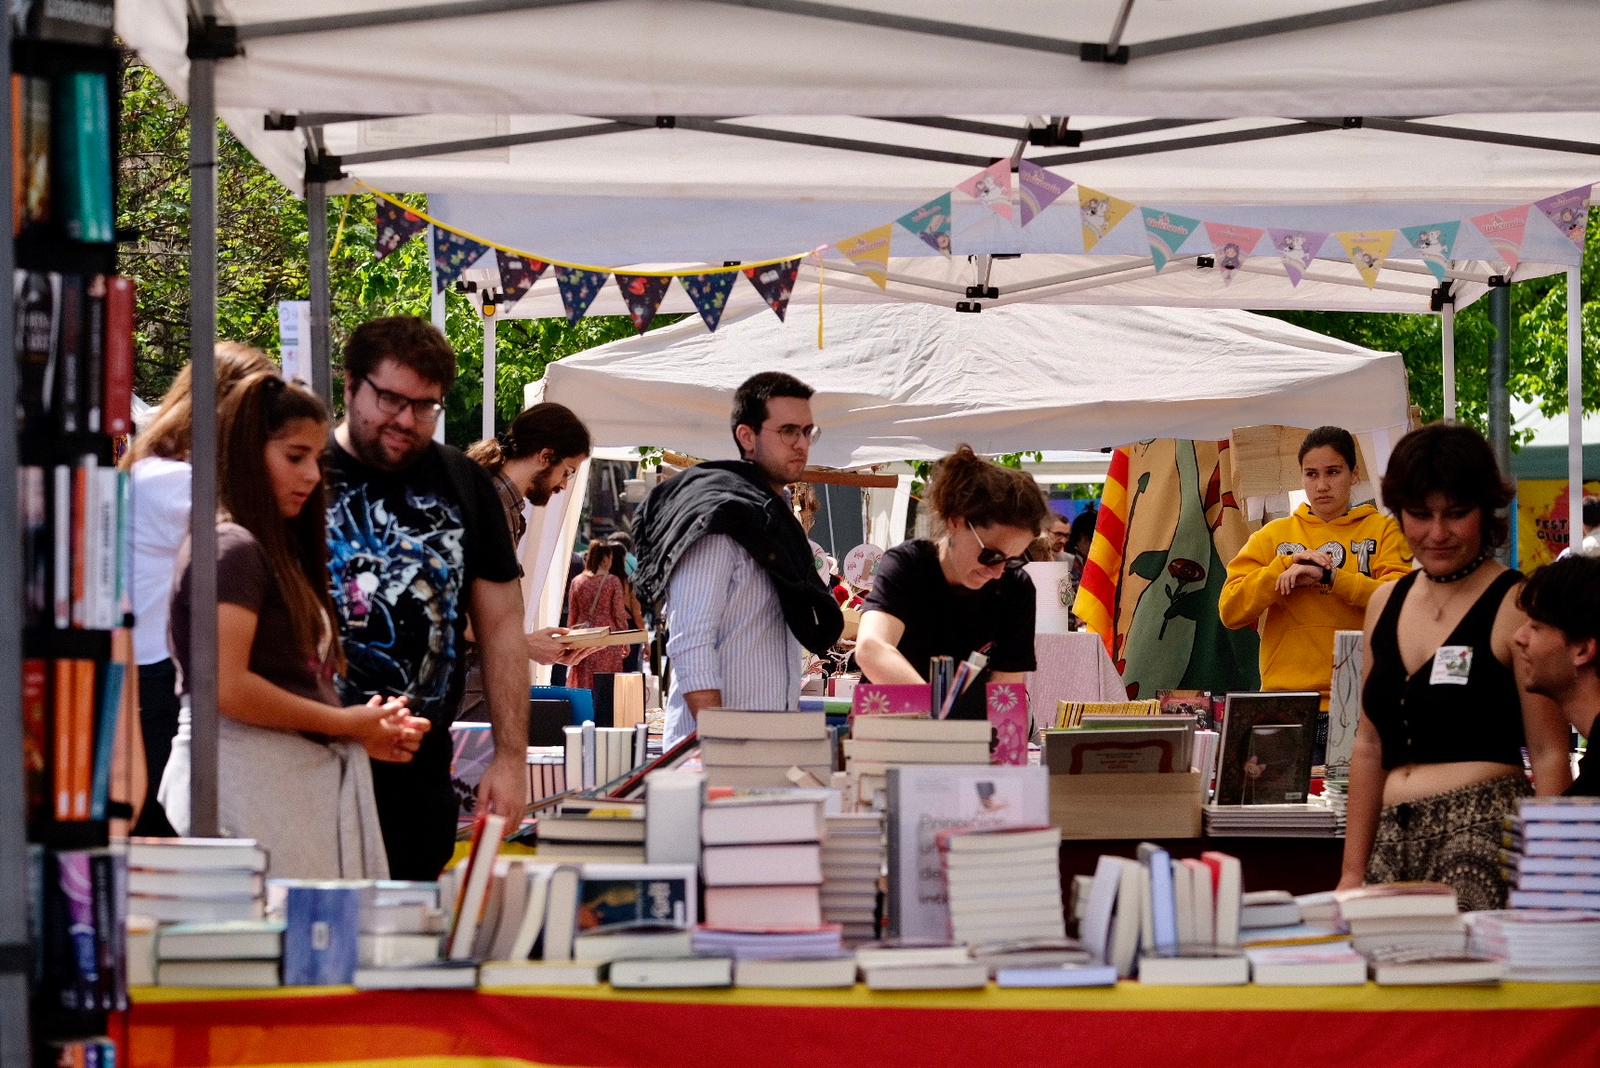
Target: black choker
[(1457, 576)]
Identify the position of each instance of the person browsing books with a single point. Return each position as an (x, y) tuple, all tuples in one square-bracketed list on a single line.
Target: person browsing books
[(730, 568), (293, 770), (1558, 650), (965, 592), (418, 547), (1309, 574), (1438, 760), (599, 598)]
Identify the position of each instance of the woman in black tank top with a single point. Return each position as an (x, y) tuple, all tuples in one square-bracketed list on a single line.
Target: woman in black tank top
[(1438, 758)]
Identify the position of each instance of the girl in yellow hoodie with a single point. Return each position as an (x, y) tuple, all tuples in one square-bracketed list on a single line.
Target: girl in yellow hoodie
[(1312, 573)]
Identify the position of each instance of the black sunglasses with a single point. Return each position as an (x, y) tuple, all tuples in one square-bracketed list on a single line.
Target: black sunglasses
[(994, 557)]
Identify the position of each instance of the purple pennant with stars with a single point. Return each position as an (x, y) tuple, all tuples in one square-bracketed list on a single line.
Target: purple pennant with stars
[(775, 283), (578, 290), (710, 294), (643, 295), (517, 274), (396, 226), (453, 254)]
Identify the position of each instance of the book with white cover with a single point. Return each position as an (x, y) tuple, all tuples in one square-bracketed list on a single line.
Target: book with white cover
[(765, 752), (906, 752), (1397, 899), (662, 973), (474, 894), (759, 865), (498, 975), (917, 729), (753, 820), (525, 931), (632, 945), (1559, 809), (672, 815), (224, 883), (1195, 966), (561, 913), (1096, 923), (1123, 947), (253, 974), (924, 800), (396, 950), (1065, 975), (237, 940), (445, 975), (969, 976), (1334, 964), (1183, 903), (1438, 970), (789, 974), (1205, 911), (891, 955), (1163, 903), (196, 854), (1227, 890), (732, 723)]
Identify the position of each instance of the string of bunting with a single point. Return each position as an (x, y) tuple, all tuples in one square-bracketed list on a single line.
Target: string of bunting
[(1020, 196)]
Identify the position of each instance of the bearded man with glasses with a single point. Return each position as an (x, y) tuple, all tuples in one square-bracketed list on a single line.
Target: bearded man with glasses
[(418, 546), (721, 550)]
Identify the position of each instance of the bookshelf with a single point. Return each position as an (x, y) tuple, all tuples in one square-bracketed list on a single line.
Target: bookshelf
[(62, 502)]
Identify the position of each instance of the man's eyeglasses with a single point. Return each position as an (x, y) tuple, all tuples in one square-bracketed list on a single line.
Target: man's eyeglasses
[(423, 409), (994, 557), (790, 434)]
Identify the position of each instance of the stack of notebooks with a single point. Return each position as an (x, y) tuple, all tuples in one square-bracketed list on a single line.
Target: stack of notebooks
[(757, 749), (1311, 819), (196, 880), (852, 863), (1539, 946), (1177, 921), (237, 953), (1003, 885), (1552, 855), (878, 742), (762, 860), (604, 829), (1412, 934), (595, 756)]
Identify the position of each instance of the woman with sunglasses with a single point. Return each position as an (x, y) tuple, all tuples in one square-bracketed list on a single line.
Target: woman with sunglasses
[(965, 592)]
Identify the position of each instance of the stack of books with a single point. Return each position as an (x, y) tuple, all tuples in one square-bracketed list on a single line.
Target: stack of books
[(757, 749), (801, 959), (237, 953), (1328, 964), (1003, 885), (595, 756), (402, 926), (1071, 713), (1414, 918), (762, 860), (196, 880), (547, 771), (629, 912), (877, 743), (852, 865), (604, 829), (1265, 909), (1539, 946), (1552, 855), (1310, 819), (1152, 907), (913, 966)]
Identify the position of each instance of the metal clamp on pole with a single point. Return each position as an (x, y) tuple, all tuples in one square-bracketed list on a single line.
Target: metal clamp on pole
[(969, 306), (210, 39)]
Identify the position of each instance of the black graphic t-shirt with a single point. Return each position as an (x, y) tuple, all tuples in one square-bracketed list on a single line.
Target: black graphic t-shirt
[(403, 550)]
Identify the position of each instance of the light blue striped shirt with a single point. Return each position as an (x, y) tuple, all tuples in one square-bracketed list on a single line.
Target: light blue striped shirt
[(725, 631)]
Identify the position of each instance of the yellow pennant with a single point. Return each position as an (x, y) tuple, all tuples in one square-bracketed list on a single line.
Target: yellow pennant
[(1100, 212), (1367, 249), (870, 250)]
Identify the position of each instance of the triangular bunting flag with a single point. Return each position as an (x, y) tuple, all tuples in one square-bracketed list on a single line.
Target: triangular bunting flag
[(453, 254), (1505, 230), (709, 293), (578, 290), (775, 283), (1434, 243), (991, 187), (396, 226), (1367, 249), (1037, 188), (1232, 244), (1100, 213), (931, 222), (1296, 249), (1568, 212), (643, 295), (870, 250), (1167, 233), (517, 274)]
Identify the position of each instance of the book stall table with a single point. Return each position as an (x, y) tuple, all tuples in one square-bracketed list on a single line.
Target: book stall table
[(1512, 1024)]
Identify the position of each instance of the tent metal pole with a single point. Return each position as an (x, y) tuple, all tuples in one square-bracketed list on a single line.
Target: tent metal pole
[(832, 281), (1335, 280), (1447, 328), (321, 292), (1488, 137), (896, 276), (474, 144), (358, 20), (490, 323), (1119, 27), (1288, 24), (846, 144), (1481, 277), (1150, 148), (1087, 272), (1574, 406), (1499, 381), (1011, 296), (203, 508)]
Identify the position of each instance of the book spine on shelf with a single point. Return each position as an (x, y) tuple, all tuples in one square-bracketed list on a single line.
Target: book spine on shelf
[(117, 405), (84, 147)]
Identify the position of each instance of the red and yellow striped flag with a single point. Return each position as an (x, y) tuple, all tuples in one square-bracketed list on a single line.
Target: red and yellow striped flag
[(1097, 590)]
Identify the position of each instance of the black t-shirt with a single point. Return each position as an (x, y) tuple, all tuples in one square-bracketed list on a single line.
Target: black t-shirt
[(1587, 784), (945, 620), (403, 550)]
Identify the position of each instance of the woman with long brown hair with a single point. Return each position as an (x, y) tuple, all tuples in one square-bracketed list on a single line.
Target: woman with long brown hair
[(597, 599), (293, 765)]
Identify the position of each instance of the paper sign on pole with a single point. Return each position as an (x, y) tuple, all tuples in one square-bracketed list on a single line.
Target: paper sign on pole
[(294, 339)]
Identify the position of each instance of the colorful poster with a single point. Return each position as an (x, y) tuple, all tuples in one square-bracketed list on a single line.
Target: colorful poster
[(517, 274), (1568, 212), (578, 290), (775, 283), (1100, 213), (1038, 188), (453, 254), (1232, 244), (710, 294), (1296, 249), (1166, 233), (1008, 716), (1543, 525), (1434, 243), (870, 250), (1367, 249), (396, 226), (931, 223), (1505, 231), (991, 187), (643, 295)]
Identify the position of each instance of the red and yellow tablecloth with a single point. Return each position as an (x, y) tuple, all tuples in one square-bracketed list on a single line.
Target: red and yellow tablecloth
[(1546, 1025)]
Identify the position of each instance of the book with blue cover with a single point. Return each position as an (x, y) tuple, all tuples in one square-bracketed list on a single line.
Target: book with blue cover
[(321, 936)]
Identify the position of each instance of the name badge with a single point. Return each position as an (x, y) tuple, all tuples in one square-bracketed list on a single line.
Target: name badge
[(1452, 664)]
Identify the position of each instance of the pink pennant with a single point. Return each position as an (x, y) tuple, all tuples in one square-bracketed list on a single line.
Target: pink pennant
[(1505, 231), (991, 187), (1231, 245)]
